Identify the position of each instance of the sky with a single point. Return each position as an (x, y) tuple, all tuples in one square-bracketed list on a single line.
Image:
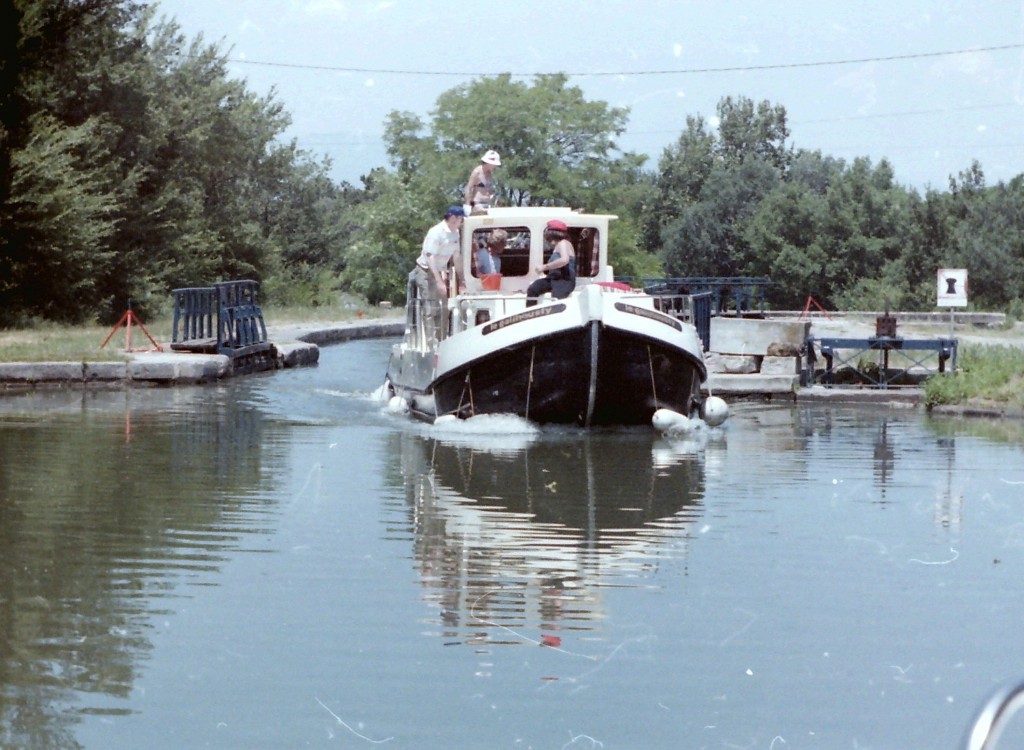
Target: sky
[(929, 85)]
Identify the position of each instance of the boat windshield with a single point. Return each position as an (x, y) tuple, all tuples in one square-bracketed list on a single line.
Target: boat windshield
[(515, 259)]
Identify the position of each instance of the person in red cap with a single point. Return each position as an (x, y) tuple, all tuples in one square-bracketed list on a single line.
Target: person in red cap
[(558, 275)]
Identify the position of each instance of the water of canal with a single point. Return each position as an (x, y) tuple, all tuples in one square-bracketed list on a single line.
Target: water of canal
[(278, 562)]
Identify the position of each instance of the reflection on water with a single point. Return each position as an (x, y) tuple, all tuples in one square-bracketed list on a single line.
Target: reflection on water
[(523, 534), (121, 506)]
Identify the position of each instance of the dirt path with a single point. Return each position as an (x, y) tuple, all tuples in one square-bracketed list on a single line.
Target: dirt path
[(861, 327)]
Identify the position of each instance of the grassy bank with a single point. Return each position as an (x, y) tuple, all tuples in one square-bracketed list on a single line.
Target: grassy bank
[(49, 342), (986, 375)]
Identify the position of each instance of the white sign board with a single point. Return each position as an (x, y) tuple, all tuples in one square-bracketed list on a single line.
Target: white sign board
[(952, 287)]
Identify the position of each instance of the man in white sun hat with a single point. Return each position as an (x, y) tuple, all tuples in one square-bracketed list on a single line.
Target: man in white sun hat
[(480, 193)]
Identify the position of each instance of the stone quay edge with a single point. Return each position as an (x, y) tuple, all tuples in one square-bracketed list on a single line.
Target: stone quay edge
[(295, 346)]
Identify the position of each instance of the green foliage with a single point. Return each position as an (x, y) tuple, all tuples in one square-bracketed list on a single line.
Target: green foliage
[(709, 188), (872, 294), (1015, 312), (556, 147), (58, 221), (301, 285), (137, 165), (392, 224), (746, 131), (988, 237), (628, 257), (785, 236), (707, 238)]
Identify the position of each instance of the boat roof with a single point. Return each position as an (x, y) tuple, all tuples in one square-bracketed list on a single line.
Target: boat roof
[(507, 214)]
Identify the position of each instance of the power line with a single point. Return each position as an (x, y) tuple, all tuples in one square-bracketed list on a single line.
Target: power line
[(681, 71), (851, 118), (913, 112)]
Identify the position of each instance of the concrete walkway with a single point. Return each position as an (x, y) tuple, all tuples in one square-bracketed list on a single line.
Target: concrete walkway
[(293, 346)]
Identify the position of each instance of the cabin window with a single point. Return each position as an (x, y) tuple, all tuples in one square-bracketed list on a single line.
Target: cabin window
[(515, 259), (586, 242)]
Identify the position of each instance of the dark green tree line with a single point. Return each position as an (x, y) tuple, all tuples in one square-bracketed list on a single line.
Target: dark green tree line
[(134, 164), (740, 202)]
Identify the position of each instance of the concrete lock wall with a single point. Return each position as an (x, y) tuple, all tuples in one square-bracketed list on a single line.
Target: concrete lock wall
[(753, 336), (750, 345)]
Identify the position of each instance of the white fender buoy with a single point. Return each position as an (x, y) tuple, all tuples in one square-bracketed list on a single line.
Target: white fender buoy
[(666, 420), (446, 418), (398, 405), (714, 411)]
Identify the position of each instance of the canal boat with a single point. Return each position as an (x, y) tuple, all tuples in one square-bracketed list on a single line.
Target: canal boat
[(607, 354)]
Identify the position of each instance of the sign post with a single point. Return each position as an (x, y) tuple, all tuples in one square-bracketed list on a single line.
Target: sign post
[(952, 291)]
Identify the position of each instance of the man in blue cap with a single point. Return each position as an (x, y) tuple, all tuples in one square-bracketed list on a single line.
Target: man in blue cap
[(431, 277)]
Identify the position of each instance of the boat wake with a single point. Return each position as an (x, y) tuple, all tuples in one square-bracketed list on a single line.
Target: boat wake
[(494, 433)]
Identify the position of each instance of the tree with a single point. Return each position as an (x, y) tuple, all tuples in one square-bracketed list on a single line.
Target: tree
[(60, 189), (708, 239), (746, 131), (784, 235), (709, 184), (988, 237), (392, 222), (557, 148), (135, 164), (58, 222), (682, 170), (308, 219)]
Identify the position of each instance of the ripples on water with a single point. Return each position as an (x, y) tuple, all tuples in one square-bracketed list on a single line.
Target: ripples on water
[(279, 561)]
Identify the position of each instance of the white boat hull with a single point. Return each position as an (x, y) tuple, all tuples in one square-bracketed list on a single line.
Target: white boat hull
[(599, 357)]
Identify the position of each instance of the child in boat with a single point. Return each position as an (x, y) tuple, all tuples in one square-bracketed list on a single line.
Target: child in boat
[(488, 257)]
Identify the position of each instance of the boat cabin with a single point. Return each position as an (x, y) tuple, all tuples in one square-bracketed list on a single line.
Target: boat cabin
[(486, 297), (526, 248)]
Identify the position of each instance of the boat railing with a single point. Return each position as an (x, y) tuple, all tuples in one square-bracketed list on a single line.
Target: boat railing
[(425, 321), (694, 309), (473, 310)]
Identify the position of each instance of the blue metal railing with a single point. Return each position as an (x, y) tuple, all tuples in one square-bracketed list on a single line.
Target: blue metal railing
[(695, 309), (739, 295), (239, 318), (848, 354), (224, 318), (195, 313)]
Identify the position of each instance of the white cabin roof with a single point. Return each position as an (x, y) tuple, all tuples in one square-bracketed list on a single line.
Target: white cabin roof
[(527, 214)]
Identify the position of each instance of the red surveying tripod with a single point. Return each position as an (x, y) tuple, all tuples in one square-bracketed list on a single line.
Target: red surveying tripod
[(126, 321)]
